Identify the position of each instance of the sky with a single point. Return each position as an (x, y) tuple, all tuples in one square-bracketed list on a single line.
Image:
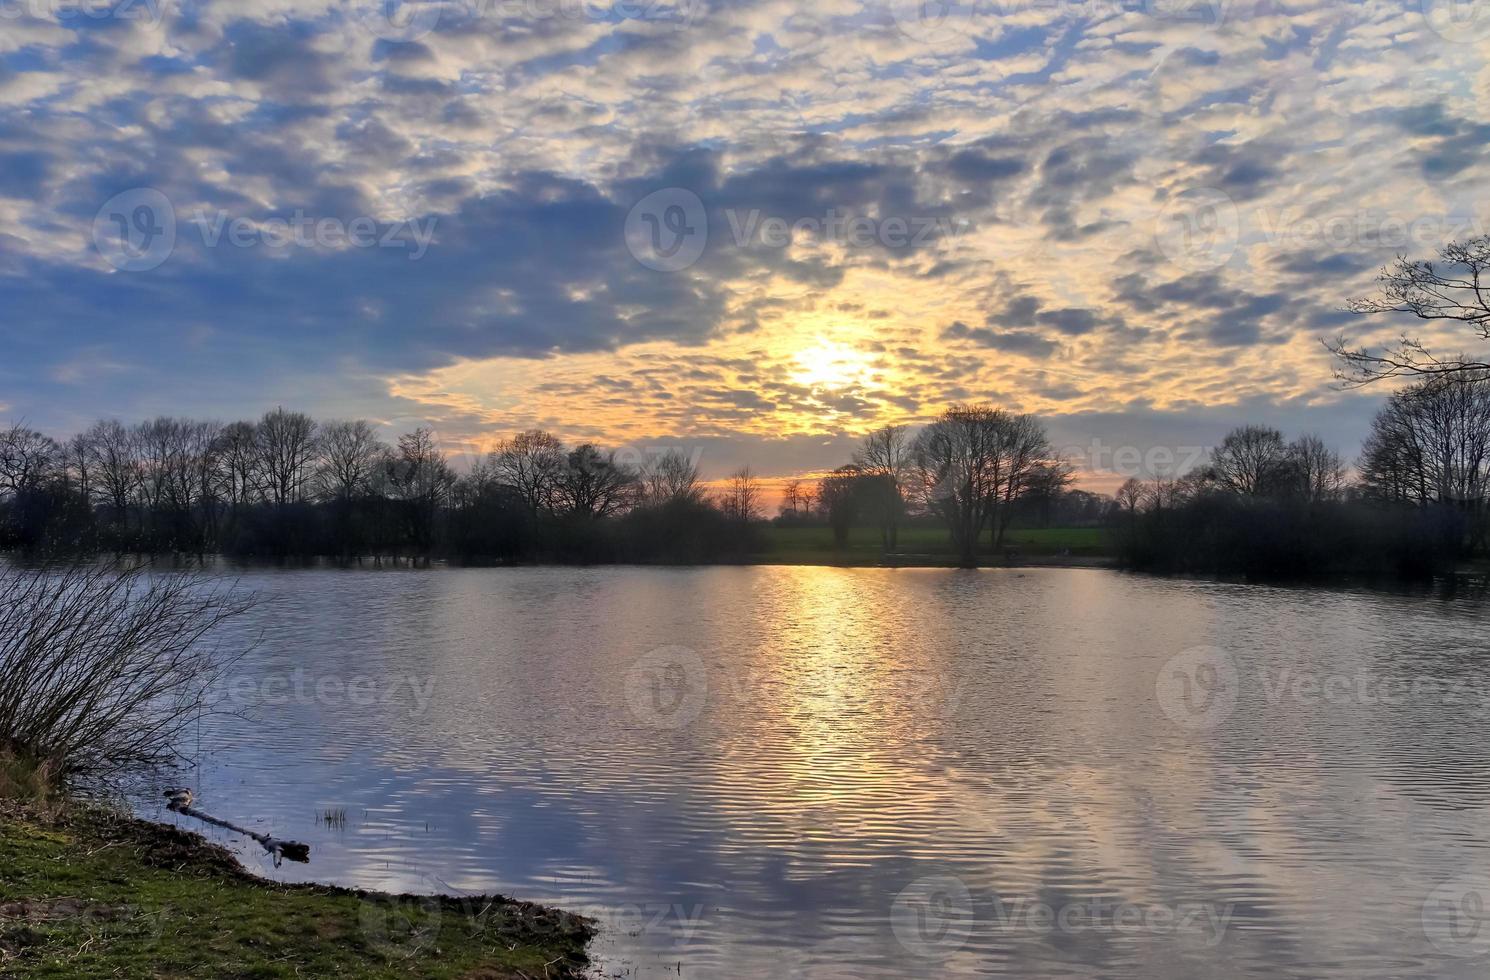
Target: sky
[(753, 231)]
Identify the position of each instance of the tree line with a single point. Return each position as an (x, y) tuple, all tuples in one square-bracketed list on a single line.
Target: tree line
[(1418, 501), (286, 484)]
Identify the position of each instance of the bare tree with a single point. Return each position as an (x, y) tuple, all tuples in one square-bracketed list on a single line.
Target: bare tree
[(350, 457), (885, 457), (794, 497), (114, 464), (177, 476), (419, 475), (1026, 467), (1455, 289), (740, 499), (1131, 495), (159, 451), (1430, 443), (592, 484), (1249, 460), (1317, 472), (77, 463), (286, 447), (841, 494), (238, 471), (1045, 485), (27, 459), (671, 478), (971, 465), (531, 463)]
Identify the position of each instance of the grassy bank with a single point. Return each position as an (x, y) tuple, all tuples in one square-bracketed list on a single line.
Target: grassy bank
[(85, 892), (931, 546)]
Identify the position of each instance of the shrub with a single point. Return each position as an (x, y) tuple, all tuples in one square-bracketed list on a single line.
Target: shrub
[(104, 666)]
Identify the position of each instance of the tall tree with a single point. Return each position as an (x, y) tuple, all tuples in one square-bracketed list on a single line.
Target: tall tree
[(113, 452), (1249, 462), (841, 495), (971, 465), (1317, 472), (531, 463), (27, 459), (671, 478), (420, 478), (794, 496), (885, 458), (286, 446), (238, 471), (351, 454), (741, 496), (592, 484)]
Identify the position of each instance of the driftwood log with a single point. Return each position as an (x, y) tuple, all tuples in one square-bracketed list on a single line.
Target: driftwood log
[(287, 849)]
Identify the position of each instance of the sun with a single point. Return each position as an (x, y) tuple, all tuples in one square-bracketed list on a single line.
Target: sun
[(831, 365)]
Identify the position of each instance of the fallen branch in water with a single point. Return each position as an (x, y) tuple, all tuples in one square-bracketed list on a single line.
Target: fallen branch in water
[(292, 850)]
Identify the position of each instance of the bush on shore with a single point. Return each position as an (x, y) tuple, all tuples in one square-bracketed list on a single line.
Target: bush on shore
[(104, 666)]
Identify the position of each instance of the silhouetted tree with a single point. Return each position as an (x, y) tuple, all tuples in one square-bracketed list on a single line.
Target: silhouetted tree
[(841, 496), (972, 465), (671, 478), (795, 497), (1131, 496), (1316, 472), (593, 485), (740, 498), (1456, 289), (286, 449), (28, 459), (531, 463), (419, 479), (1250, 460), (885, 458)]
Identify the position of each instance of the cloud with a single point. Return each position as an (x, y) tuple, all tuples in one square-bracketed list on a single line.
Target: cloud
[(1036, 158)]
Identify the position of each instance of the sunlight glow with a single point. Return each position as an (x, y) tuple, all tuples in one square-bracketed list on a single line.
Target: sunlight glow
[(831, 365)]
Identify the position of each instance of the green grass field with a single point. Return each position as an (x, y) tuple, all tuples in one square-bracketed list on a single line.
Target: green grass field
[(88, 893), (810, 545)]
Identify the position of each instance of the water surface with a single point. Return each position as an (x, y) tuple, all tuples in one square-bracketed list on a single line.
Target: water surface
[(814, 772)]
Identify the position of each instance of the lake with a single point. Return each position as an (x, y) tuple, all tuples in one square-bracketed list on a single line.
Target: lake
[(821, 773)]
